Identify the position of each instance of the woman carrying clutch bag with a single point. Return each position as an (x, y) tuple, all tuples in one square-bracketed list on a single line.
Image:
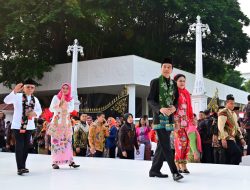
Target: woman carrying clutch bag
[(60, 128)]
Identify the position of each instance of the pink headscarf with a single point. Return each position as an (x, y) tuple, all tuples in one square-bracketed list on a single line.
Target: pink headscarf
[(67, 97)]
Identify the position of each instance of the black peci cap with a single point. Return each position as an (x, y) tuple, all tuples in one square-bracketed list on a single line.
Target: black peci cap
[(30, 81), (167, 60), (230, 97)]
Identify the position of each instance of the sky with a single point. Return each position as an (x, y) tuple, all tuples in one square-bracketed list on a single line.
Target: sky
[(245, 8)]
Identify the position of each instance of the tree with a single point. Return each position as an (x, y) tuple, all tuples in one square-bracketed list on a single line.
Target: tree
[(33, 38), (39, 31), (247, 86), (232, 78)]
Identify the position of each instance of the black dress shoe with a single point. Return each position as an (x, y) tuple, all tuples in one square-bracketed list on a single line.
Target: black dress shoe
[(74, 165), (177, 176), (20, 172), (55, 166), (156, 174), (25, 170)]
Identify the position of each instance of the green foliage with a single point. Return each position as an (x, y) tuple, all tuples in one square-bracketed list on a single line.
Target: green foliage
[(38, 32), (232, 77), (247, 86)]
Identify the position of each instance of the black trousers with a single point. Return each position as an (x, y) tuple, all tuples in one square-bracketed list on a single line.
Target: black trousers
[(207, 153), (248, 141), (130, 155), (22, 147), (112, 152), (219, 155), (163, 152), (233, 153), (82, 152), (98, 154), (2, 141)]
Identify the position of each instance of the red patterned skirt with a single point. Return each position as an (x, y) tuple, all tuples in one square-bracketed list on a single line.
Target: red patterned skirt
[(181, 145)]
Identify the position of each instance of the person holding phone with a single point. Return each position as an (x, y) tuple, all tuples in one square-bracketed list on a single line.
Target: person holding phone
[(26, 108), (111, 139), (142, 133), (60, 128)]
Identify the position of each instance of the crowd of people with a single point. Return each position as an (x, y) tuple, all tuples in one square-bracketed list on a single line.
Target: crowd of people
[(208, 151), (180, 136), (99, 138)]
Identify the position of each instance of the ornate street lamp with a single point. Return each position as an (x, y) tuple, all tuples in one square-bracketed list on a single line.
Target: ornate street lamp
[(75, 48)]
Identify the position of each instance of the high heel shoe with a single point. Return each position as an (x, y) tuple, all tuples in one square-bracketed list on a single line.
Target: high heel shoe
[(73, 165), (186, 171), (55, 166), (180, 171)]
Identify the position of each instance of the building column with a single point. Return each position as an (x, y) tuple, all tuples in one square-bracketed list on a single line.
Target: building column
[(144, 106), (132, 96), (199, 103)]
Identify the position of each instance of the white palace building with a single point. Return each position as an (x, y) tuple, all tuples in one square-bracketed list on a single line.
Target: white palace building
[(109, 76)]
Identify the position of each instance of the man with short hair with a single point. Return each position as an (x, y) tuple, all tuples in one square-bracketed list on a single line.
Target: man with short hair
[(97, 134), (26, 109), (81, 130), (205, 129), (201, 116), (163, 100), (229, 130)]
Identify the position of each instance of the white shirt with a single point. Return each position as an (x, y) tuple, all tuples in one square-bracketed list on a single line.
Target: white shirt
[(16, 100), (56, 109)]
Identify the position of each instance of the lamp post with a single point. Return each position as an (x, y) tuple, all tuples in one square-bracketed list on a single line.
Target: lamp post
[(75, 48), (199, 100)]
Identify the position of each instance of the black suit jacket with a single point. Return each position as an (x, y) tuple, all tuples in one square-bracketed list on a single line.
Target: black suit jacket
[(153, 100)]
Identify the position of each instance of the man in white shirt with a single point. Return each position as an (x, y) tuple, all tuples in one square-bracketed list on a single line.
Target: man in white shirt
[(26, 108)]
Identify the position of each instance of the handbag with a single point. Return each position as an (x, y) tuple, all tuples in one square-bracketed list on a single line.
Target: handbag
[(52, 127)]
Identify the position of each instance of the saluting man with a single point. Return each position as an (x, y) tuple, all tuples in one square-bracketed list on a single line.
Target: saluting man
[(26, 108)]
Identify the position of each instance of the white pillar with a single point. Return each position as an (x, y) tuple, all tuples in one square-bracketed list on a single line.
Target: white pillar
[(199, 103), (132, 96), (199, 88), (144, 106), (199, 99), (74, 75)]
